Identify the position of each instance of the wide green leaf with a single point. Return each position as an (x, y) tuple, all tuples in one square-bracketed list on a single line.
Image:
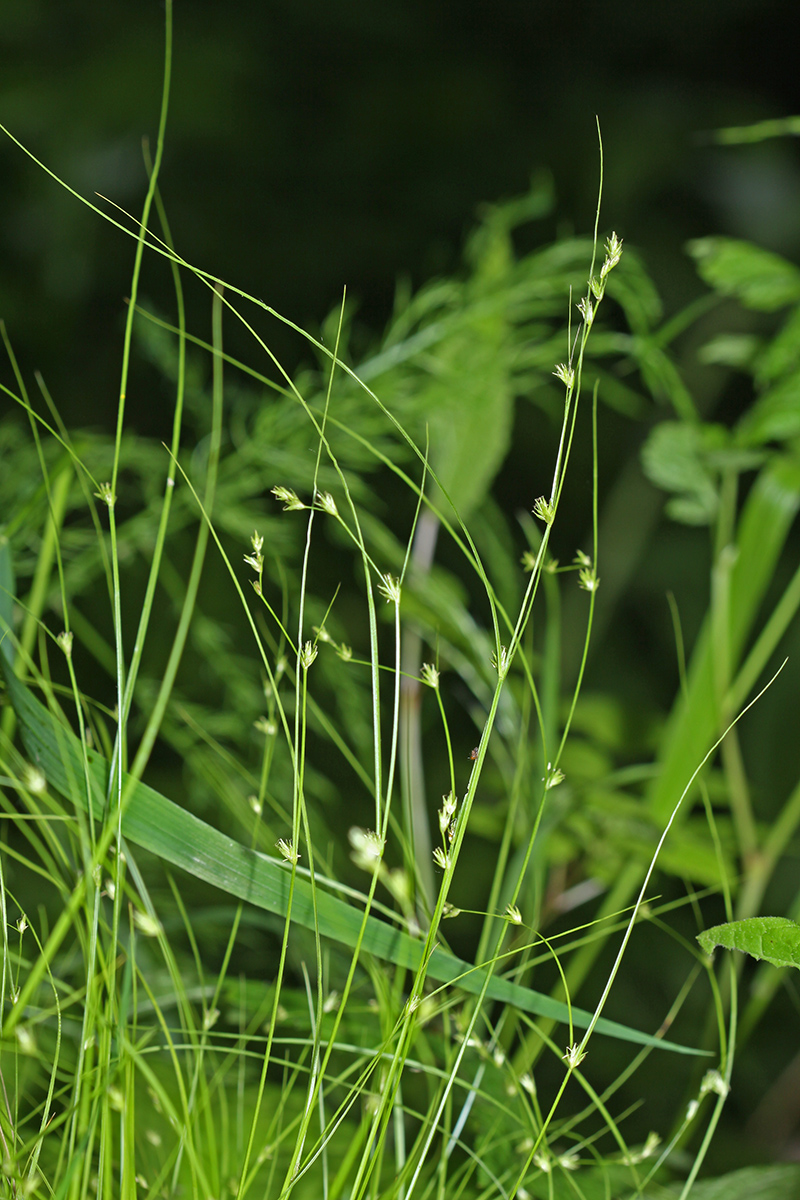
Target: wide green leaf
[(774, 940), (171, 833)]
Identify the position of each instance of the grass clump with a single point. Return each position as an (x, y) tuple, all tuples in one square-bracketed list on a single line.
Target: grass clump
[(245, 950)]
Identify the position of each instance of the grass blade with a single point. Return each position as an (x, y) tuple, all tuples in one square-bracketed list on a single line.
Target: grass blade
[(171, 833)]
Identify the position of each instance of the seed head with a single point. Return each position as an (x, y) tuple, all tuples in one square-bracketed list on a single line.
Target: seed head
[(543, 510), (288, 498), (286, 849), (106, 495), (574, 1056), (389, 588), (367, 848), (307, 655), (327, 503), (430, 675), (586, 309)]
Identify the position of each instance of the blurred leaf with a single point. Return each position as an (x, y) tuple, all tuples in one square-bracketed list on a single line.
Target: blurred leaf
[(777, 1181), (759, 131), (698, 508), (7, 593), (663, 378), (581, 761), (768, 513), (613, 829), (601, 717), (691, 854), (776, 940), (539, 201), (756, 277), (470, 395), (616, 394), (773, 1181), (635, 292), (671, 454), (735, 458), (775, 416), (491, 534), (730, 350), (471, 427), (674, 458), (782, 354), (688, 459)]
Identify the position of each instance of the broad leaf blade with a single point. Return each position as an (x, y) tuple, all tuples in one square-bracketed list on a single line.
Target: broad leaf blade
[(171, 833), (775, 940)]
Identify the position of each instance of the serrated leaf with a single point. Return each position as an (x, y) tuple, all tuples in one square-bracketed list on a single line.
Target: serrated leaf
[(774, 940), (171, 833), (758, 278)]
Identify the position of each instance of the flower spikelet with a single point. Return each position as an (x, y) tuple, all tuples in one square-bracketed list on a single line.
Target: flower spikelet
[(288, 498)]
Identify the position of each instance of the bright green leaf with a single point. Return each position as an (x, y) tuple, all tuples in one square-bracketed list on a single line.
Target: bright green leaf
[(776, 940)]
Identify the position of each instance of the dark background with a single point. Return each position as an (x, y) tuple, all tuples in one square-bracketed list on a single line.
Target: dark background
[(313, 146)]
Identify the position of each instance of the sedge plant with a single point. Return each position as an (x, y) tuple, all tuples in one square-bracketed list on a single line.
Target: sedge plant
[(235, 957)]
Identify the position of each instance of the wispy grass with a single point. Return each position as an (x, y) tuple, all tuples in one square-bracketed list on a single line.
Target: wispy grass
[(285, 1015)]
